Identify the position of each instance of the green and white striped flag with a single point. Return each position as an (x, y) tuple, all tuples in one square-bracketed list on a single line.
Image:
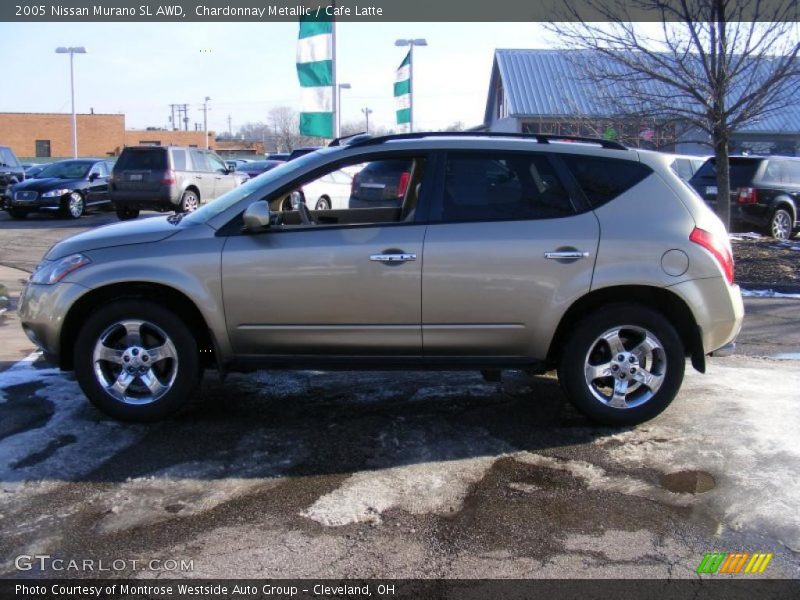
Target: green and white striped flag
[(315, 72), (402, 95)]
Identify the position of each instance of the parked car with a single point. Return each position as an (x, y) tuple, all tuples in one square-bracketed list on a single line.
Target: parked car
[(66, 188), (685, 165), (331, 191), (11, 171), (257, 167), (381, 183), (168, 178), (298, 152), (765, 191), (282, 156), (506, 252)]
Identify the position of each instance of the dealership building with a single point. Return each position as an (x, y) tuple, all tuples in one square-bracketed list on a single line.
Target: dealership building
[(540, 91)]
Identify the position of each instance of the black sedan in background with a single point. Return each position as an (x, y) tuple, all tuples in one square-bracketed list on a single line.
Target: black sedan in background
[(254, 168), (67, 188)]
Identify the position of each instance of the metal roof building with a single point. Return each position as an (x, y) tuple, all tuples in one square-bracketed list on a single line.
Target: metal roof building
[(541, 91)]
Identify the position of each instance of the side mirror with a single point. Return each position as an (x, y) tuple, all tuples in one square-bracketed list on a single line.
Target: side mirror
[(93, 176), (257, 216)]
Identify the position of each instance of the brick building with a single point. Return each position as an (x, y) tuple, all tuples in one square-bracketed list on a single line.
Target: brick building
[(49, 135)]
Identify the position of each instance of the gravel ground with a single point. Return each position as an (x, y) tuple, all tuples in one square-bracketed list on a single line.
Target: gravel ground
[(767, 263)]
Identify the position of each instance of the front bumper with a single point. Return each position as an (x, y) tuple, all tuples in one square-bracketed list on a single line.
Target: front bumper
[(42, 310)]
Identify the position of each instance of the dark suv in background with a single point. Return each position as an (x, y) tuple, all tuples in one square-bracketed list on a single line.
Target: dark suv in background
[(11, 171), (167, 178), (765, 191)]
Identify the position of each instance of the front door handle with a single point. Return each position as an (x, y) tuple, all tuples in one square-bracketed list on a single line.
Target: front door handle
[(566, 254), (393, 258)]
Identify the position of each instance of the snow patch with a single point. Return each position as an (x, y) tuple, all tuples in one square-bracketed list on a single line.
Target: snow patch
[(767, 294)]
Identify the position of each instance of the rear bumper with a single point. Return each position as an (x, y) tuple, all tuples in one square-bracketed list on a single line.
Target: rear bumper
[(717, 307)]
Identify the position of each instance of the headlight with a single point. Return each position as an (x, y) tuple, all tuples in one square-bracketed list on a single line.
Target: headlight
[(56, 193), (52, 272)]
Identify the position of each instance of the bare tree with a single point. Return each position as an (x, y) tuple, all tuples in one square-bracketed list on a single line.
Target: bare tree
[(715, 65)]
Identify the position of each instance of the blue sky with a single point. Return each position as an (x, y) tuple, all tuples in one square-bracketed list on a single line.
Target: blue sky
[(247, 68)]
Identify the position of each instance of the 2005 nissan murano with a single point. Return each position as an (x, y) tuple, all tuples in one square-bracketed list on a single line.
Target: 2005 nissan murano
[(501, 252)]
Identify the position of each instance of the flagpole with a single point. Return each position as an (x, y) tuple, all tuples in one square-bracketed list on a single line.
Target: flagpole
[(411, 89), (337, 124)]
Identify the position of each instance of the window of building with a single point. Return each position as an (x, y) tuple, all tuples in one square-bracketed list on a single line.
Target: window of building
[(42, 148), (501, 187)]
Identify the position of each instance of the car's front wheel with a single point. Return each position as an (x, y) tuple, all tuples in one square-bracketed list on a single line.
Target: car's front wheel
[(73, 206), (622, 365), (136, 360), (780, 224)]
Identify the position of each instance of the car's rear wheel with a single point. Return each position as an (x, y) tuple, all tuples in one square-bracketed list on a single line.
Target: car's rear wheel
[(323, 204), (73, 206), (18, 213), (190, 202), (136, 361), (125, 213), (780, 224), (622, 365)]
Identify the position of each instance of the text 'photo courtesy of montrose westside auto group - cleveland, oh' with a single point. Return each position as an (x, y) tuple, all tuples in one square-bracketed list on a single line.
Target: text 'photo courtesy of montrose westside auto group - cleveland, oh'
[(404, 300)]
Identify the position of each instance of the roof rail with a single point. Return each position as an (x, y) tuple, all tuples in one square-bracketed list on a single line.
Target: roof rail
[(541, 138), (348, 140)]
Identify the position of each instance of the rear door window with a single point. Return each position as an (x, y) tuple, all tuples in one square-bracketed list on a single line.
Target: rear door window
[(603, 179), (146, 159), (178, 159), (502, 187)]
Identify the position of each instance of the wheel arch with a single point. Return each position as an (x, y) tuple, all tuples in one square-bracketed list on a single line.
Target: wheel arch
[(170, 298), (660, 299), (783, 201), (191, 188)]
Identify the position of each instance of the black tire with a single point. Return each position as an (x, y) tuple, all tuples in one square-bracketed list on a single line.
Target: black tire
[(125, 213), (73, 206), (584, 347), (179, 375), (190, 201), (18, 213), (780, 224), (323, 204)]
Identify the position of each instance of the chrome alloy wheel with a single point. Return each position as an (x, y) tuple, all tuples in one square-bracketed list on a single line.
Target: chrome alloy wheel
[(625, 367), (135, 362), (781, 226), (75, 205)]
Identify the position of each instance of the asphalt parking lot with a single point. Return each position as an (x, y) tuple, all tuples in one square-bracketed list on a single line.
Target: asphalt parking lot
[(319, 474)]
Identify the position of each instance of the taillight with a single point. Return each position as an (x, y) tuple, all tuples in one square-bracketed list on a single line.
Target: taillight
[(168, 178), (717, 249), (403, 184), (747, 195)]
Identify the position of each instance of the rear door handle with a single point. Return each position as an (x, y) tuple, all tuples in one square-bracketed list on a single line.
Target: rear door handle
[(393, 258), (566, 254)]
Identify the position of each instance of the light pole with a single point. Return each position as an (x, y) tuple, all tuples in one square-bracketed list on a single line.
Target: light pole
[(205, 118), (367, 112), (411, 42), (72, 51), (339, 88)]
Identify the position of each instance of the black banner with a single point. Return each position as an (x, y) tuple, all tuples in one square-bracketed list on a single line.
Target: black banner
[(401, 589), (352, 10)]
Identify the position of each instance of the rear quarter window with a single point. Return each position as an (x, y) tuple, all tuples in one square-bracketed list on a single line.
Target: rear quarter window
[(149, 159), (603, 179)]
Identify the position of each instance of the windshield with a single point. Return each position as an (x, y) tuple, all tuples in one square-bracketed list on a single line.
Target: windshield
[(224, 202), (68, 169)]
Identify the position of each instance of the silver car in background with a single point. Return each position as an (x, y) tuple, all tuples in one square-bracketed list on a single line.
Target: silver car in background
[(505, 252)]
